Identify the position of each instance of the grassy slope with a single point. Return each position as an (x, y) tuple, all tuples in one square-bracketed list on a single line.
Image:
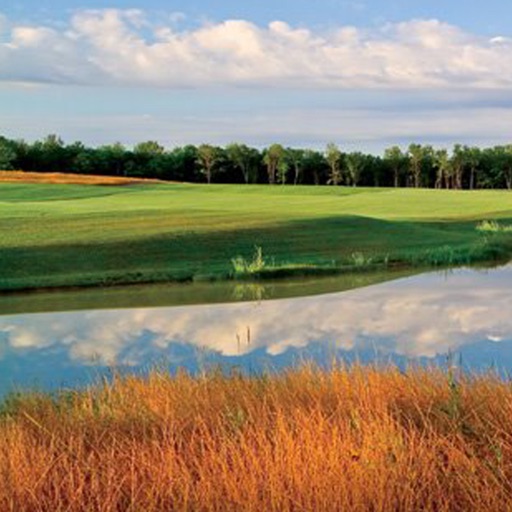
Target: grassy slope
[(61, 235), (359, 439)]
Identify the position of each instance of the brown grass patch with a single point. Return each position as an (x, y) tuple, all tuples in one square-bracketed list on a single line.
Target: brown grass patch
[(73, 179), (359, 439)]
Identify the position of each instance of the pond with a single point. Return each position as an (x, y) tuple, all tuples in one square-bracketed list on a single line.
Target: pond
[(462, 316)]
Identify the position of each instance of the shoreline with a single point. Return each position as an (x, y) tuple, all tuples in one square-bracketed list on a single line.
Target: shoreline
[(494, 254)]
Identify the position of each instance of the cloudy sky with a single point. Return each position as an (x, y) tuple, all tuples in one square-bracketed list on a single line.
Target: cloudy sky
[(363, 73)]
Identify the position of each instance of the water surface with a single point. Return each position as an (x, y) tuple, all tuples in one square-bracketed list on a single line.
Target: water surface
[(464, 315)]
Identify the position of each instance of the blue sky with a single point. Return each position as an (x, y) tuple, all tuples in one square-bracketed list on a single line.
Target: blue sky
[(364, 74), (490, 18)]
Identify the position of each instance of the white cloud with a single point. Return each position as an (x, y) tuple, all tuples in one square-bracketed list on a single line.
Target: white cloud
[(32, 37), (416, 317), (500, 40), (125, 47)]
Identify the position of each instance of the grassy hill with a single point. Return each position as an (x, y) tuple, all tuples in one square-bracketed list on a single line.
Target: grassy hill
[(76, 235)]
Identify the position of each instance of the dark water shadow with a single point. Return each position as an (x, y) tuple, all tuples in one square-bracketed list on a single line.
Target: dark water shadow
[(175, 294)]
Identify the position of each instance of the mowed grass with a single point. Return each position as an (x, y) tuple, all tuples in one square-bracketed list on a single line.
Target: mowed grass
[(355, 439), (75, 235)]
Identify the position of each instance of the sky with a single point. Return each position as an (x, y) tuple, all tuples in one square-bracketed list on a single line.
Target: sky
[(365, 74)]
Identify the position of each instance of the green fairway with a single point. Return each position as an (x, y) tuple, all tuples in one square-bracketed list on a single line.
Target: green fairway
[(75, 235)]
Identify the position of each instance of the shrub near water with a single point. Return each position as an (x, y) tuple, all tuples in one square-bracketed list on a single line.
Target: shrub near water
[(353, 439), (241, 266)]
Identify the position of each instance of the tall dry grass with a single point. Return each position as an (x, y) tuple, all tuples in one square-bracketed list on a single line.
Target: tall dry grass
[(357, 439), (69, 179)]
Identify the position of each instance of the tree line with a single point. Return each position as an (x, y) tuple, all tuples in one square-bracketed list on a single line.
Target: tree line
[(462, 167)]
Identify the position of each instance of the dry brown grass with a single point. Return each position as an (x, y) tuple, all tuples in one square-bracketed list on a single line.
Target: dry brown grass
[(359, 439), (72, 179)]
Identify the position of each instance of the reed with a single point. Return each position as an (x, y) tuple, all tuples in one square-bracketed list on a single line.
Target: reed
[(358, 439)]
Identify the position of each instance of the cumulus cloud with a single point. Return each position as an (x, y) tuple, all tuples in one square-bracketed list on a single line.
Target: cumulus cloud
[(127, 47), (415, 317)]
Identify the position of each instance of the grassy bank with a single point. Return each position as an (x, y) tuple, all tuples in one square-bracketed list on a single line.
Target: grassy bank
[(353, 439), (60, 235)]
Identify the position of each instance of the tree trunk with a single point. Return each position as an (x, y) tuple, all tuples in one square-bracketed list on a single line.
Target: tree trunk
[(417, 173), (297, 171), (458, 178), (271, 174)]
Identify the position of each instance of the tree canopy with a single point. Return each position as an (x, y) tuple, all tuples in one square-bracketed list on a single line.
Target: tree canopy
[(461, 167)]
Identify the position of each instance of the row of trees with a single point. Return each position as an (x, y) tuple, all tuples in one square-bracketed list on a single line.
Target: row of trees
[(463, 167)]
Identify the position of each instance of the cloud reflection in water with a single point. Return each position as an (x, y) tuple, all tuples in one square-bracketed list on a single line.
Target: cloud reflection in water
[(419, 317)]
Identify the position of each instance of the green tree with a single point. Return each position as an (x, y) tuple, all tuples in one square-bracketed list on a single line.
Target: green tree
[(7, 154), (85, 162), (333, 157), (51, 154), (112, 159), (149, 147), (473, 157), (244, 158), (52, 141), (375, 171), (442, 164), (207, 156), (296, 160), (272, 158), (282, 171), (507, 174), (356, 162), (314, 167), (416, 154), (184, 163), (396, 160), (501, 157), (148, 160), (458, 165)]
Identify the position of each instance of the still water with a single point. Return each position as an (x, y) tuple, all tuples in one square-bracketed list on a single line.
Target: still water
[(463, 315)]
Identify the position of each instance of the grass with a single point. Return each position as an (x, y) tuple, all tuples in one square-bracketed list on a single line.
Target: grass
[(67, 179), (358, 439), (61, 235), (260, 267), (243, 266), (492, 226)]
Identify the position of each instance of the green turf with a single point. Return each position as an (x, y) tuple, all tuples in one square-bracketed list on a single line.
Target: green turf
[(65, 235)]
